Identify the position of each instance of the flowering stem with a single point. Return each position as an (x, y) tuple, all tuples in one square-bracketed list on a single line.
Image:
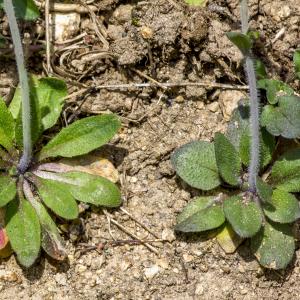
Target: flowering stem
[(24, 86), (254, 104)]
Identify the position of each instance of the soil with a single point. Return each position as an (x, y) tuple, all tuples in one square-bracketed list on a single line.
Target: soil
[(169, 42)]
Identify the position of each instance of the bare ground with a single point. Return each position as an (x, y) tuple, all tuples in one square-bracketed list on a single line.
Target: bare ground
[(169, 42)]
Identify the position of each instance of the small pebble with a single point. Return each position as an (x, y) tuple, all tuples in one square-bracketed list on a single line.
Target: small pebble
[(213, 107), (168, 235), (81, 268), (152, 271)]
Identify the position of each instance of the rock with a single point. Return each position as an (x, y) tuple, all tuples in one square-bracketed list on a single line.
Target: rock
[(168, 235), (187, 257), (81, 268), (199, 290), (60, 279), (229, 101), (213, 107), (152, 271), (123, 13), (65, 26)]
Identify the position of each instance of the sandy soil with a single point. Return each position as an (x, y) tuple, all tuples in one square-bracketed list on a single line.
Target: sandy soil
[(170, 42)]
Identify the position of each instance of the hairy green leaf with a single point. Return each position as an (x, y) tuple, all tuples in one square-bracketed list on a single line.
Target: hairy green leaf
[(228, 160), (260, 69), (267, 143), (24, 232), (275, 89), (7, 126), (93, 189), (52, 242), (8, 190), (203, 213), (49, 93), (242, 41), (296, 59), (82, 136), (282, 208), (55, 195), (274, 245), (36, 117), (244, 216), (264, 190), (196, 164), (238, 132), (285, 173), (25, 9), (283, 120)]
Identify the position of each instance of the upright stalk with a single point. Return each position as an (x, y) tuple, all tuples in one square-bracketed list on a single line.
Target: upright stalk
[(254, 104), (24, 86)]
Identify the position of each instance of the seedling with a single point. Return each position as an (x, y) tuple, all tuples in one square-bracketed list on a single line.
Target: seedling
[(32, 186), (257, 204)]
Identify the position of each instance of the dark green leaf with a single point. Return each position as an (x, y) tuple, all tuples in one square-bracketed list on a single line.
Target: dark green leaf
[(55, 195), (24, 232), (196, 164), (282, 208), (283, 120), (242, 41), (274, 245), (25, 9), (244, 215), (82, 136), (296, 60), (238, 132), (275, 89), (260, 69), (52, 242), (49, 93), (204, 213), (92, 189), (239, 123), (8, 190), (264, 190), (35, 119), (267, 144), (285, 173), (228, 160), (7, 126)]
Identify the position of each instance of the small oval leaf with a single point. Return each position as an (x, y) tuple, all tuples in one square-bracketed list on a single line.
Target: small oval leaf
[(282, 208), (196, 164), (82, 137), (244, 215), (242, 41), (24, 232), (275, 89), (228, 240), (284, 119), (204, 213), (274, 245), (228, 160), (285, 173)]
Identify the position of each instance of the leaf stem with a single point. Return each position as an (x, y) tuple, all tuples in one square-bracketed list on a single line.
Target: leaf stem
[(24, 86)]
